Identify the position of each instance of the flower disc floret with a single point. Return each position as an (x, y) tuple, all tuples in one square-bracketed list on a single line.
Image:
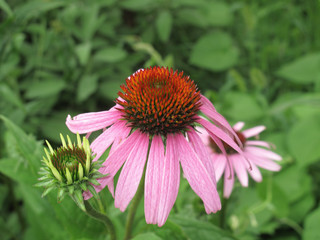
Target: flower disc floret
[(159, 100)]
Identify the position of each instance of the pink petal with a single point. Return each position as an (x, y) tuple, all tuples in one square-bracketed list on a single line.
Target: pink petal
[(131, 173), (255, 173), (208, 109), (154, 175), (219, 143), (201, 150), (253, 131), (89, 122), (238, 126), (170, 174), (203, 135), (219, 133), (119, 139), (240, 169), (228, 183), (115, 160), (219, 163), (101, 143), (264, 162), (264, 153), (197, 175), (207, 103), (258, 143)]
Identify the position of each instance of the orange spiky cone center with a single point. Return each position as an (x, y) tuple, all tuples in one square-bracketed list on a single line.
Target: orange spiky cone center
[(159, 101)]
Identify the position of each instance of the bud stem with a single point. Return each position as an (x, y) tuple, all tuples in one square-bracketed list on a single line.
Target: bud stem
[(101, 217)]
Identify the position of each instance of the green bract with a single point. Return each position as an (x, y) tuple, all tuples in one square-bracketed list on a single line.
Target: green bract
[(70, 170)]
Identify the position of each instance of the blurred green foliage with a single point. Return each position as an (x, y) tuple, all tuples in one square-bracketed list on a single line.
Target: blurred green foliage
[(258, 61)]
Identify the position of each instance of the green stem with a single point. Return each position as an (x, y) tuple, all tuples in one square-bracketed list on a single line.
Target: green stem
[(133, 208), (224, 204), (101, 217)]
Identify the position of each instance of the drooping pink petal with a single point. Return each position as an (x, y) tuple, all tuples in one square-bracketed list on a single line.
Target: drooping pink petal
[(131, 173), (258, 143), (238, 126), (255, 173), (218, 119), (219, 164), (253, 131), (207, 103), (264, 162), (202, 152), (219, 133), (219, 143), (205, 138), (197, 175), (101, 143), (90, 122), (228, 183), (153, 180), (261, 152), (240, 169), (170, 181)]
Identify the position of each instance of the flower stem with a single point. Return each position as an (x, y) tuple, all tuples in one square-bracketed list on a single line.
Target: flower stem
[(101, 217), (224, 203), (133, 208), (223, 212)]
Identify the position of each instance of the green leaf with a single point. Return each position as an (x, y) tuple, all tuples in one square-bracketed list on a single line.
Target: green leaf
[(304, 140), (88, 85), (217, 13), (294, 182), (45, 88), (138, 5), (25, 145), (311, 226), (146, 236), (196, 229), (164, 25), (242, 106), (258, 78), (5, 7), (34, 8), (111, 54), (214, 51), (303, 70), (278, 199), (10, 96), (295, 100), (299, 209), (83, 52), (192, 17)]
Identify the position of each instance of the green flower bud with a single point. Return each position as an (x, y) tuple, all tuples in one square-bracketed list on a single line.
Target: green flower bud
[(70, 169)]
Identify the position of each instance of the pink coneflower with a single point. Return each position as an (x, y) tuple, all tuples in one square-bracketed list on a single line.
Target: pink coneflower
[(255, 151), (153, 118)]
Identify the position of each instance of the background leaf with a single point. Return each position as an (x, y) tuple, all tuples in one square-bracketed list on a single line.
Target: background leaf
[(214, 51)]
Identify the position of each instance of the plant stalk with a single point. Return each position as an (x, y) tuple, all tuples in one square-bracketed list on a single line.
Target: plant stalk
[(101, 217)]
